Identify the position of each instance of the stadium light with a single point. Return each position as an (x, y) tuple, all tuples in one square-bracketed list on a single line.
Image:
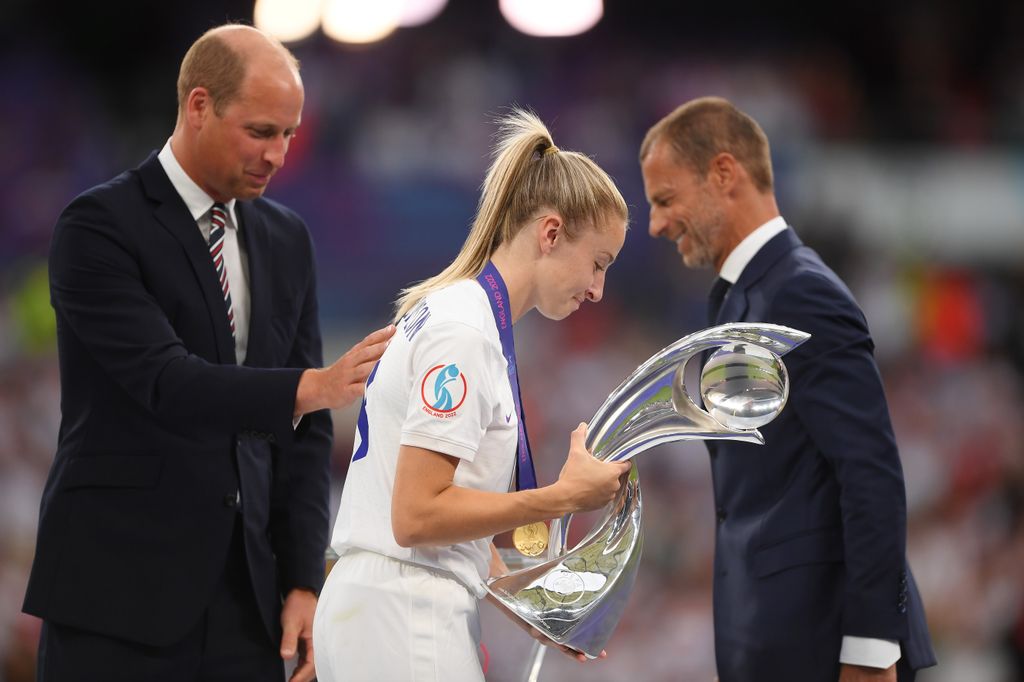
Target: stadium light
[(288, 20), (359, 21), (419, 12), (549, 18)]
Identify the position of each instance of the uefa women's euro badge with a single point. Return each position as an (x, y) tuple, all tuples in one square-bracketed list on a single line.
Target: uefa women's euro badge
[(577, 595)]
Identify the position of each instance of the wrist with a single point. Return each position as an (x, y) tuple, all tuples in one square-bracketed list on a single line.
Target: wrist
[(307, 394), (553, 501)]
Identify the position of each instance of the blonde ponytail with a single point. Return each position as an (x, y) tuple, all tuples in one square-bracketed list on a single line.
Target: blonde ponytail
[(528, 172)]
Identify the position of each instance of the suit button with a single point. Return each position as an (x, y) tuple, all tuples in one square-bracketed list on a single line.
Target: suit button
[(902, 608), (231, 499), (720, 514)]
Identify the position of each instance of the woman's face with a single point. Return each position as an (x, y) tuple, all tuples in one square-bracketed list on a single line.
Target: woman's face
[(571, 272)]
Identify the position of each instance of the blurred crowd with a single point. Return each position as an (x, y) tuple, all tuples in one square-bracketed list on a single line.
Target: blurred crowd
[(386, 169)]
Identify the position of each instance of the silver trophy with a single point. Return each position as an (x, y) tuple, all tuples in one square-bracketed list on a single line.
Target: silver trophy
[(577, 595)]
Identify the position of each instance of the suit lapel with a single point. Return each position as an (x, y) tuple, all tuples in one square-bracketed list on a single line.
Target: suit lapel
[(172, 213), (253, 231), (736, 303)]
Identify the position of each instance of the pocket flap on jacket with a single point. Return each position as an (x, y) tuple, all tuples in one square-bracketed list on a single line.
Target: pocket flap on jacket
[(113, 471), (817, 547)]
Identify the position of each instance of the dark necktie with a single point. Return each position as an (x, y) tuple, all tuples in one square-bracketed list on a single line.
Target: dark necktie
[(218, 223), (718, 291)]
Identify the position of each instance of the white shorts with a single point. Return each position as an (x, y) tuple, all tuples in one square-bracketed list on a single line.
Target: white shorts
[(383, 620)]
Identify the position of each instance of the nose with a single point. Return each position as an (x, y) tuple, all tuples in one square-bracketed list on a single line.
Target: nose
[(657, 224), (275, 151), (596, 290)]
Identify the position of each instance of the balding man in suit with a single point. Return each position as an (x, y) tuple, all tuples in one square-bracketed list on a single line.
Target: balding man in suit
[(185, 518)]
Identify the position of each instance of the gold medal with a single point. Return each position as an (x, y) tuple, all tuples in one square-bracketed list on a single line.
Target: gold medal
[(531, 539)]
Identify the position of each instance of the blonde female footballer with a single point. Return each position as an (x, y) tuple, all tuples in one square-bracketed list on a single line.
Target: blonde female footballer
[(441, 459)]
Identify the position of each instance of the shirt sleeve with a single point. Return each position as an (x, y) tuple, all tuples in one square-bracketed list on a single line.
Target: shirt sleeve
[(870, 652), (451, 399)]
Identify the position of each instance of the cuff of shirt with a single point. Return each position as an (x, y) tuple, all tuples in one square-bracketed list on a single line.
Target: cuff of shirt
[(295, 422), (870, 652)]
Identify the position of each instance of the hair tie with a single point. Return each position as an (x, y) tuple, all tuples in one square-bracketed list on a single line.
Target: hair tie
[(551, 150)]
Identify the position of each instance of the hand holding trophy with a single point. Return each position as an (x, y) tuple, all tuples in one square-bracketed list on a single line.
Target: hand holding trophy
[(576, 597)]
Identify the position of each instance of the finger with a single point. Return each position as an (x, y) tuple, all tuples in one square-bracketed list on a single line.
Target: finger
[(360, 373), (304, 669), (304, 672), (382, 334), (578, 438), (307, 647), (361, 354), (568, 651), (289, 639)]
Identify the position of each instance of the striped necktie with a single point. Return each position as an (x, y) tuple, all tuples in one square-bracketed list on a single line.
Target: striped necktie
[(218, 223)]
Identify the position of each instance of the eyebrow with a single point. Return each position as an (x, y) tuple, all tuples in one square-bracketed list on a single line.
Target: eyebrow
[(271, 127), (660, 194), (611, 258)]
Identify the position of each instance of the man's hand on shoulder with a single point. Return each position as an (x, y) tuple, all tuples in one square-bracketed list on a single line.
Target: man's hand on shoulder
[(342, 383)]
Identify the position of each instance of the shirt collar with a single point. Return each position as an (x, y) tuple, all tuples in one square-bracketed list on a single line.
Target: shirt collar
[(198, 202), (745, 251)]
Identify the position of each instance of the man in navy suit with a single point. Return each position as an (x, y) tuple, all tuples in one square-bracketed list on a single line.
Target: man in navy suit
[(184, 521), (811, 581)]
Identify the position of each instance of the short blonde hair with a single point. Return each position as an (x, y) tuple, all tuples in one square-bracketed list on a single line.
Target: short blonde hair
[(528, 173), (703, 128)]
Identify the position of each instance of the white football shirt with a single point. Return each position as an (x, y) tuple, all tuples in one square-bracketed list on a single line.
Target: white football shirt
[(441, 385)]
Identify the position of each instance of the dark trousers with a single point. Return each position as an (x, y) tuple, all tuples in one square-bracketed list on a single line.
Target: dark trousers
[(229, 643)]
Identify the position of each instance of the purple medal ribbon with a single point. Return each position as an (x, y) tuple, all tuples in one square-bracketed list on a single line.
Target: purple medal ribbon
[(497, 295)]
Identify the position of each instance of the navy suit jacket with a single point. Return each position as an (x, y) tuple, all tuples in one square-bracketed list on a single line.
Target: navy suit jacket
[(159, 425), (811, 532)]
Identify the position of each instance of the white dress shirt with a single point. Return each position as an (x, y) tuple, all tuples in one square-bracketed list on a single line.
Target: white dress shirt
[(867, 651), (199, 204)]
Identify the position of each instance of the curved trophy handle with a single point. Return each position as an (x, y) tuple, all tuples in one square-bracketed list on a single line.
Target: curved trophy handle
[(577, 596)]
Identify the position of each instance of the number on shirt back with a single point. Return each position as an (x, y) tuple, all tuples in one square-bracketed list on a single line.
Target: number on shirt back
[(410, 324)]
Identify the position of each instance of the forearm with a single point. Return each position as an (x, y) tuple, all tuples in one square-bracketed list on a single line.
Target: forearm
[(108, 309), (226, 399), (458, 514), (304, 470), (300, 521)]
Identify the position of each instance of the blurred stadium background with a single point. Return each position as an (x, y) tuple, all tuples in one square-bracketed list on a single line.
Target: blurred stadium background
[(898, 142)]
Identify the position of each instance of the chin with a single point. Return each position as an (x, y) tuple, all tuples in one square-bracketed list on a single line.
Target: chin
[(252, 193), (557, 314)]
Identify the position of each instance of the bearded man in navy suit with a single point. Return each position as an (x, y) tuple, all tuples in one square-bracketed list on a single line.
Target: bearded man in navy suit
[(811, 582), (184, 522)]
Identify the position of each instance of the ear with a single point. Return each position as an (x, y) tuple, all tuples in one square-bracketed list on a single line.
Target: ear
[(724, 171), (550, 232), (198, 107)]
